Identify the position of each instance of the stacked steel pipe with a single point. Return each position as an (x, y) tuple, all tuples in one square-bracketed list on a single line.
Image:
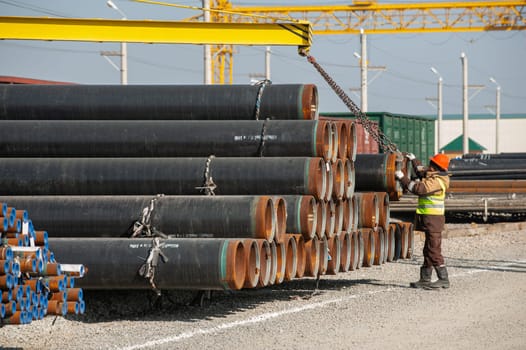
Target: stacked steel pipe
[(33, 283), (208, 203)]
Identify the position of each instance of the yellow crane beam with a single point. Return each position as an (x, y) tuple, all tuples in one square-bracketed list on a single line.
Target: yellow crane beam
[(155, 32), (377, 18)]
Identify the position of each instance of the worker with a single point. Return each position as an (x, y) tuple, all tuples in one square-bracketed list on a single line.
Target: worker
[(430, 186)]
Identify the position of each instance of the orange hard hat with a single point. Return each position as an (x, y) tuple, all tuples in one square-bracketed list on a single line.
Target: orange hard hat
[(441, 160)]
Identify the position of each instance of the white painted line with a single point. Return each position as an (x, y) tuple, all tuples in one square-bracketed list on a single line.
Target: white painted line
[(271, 315), (252, 320)]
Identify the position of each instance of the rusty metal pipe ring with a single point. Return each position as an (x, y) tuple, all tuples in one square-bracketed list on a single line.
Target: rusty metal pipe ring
[(338, 179), (309, 101), (265, 219), (329, 181), (361, 248), (335, 141), (390, 233), (344, 142), (355, 251), (379, 247), (393, 186), (291, 262), (347, 215), (300, 255), (339, 217), (324, 140), (352, 142), (334, 251), (274, 263), (312, 254), (265, 264), (235, 265), (281, 261), (369, 246), (322, 219), (356, 212), (317, 179), (383, 210), (345, 255), (401, 242), (252, 262), (281, 218), (368, 209), (302, 215), (330, 208), (349, 178), (324, 255)]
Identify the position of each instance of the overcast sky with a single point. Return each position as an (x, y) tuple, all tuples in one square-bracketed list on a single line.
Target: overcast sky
[(402, 88)]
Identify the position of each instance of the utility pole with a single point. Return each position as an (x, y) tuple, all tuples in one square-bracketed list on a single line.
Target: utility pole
[(465, 135), (267, 62), (439, 108), (363, 70), (497, 114), (207, 59), (124, 47)]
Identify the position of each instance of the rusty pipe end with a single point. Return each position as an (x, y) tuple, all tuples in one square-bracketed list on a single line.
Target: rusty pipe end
[(300, 255), (334, 251), (280, 207), (330, 225), (351, 141), (274, 263), (329, 180), (316, 178), (308, 216), (309, 101), (345, 248), (344, 142), (349, 178), (335, 140), (324, 140), (291, 263), (252, 262), (265, 218), (265, 264), (312, 257), (322, 219), (338, 176), (235, 265), (324, 255), (281, 260)]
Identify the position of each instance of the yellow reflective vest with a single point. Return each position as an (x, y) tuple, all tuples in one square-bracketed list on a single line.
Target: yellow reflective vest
[(433, 204)]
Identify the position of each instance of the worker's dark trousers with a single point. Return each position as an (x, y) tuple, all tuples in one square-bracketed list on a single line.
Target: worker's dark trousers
[(433, 249)]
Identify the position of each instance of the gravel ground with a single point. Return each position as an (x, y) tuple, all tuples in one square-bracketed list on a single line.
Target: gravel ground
[(371, 308)]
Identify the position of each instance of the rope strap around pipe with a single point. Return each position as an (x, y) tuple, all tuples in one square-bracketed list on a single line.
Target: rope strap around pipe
[(262, 84), (209, 185)]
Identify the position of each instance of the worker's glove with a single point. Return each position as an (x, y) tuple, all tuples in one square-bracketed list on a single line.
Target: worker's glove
[(399, 174), (410, 156)]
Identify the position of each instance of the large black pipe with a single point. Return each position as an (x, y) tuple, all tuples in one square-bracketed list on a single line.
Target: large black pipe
[(375, 172), (302, 215), (177, 216), (168, 102), (486, 164), (164, 138), (147, 176), (113, 263)]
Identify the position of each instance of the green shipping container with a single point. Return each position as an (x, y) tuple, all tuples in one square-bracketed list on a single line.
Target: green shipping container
[(411, 133)]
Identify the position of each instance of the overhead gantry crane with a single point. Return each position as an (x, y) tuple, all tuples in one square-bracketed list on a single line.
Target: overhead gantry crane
[(373, 18)]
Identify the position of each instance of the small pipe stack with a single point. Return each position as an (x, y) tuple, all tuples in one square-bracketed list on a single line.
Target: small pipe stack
[(32, 283), (223, 201)]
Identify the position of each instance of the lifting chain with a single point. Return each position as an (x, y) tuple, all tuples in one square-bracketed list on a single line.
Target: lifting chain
[(372, 128)]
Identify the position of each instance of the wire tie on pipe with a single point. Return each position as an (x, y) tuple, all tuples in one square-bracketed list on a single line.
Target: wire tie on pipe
[(263, 138), (262, 84), (143, 226), (147, 270), (209, 185)]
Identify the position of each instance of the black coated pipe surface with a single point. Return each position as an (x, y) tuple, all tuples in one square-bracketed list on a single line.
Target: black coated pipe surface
[(482, 164), (486, 156), (168, 102), (370, 172), (113, 263), (159, 138), (149, 176), (177, 216)]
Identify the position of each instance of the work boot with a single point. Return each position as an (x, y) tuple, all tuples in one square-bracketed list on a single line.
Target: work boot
[(443, 281), (425, 278)]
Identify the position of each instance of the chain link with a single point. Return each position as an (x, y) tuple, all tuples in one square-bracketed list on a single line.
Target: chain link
[(371, 127)]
